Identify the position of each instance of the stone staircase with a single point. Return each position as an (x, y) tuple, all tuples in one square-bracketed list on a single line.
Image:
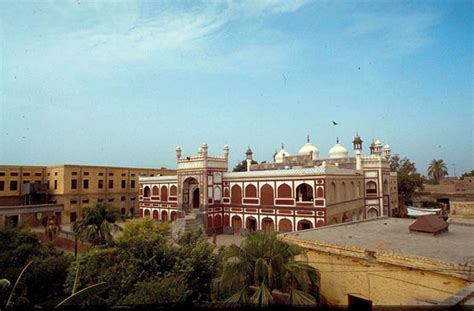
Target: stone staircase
[(181, 225)]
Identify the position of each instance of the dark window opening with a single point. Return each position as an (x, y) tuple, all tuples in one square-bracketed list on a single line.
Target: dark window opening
[(100, 184), (74, 184), (111, 184), (85, 184), (124, 184)]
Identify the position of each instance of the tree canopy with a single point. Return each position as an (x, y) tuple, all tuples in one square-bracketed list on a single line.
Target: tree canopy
[(468, 174), (437, 170), (242, 166), (409, 180), (97, 224), (262, 265)]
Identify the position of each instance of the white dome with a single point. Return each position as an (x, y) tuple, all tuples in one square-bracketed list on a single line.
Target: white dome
[(280, 154), (387, 147), (378, 143), (337, 151), (309, 148)]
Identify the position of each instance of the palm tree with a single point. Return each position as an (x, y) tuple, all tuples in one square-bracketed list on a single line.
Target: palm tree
[(436, 170), (97, 224), (261, 267)]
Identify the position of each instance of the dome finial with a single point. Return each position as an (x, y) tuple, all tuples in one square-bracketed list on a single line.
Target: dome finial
[(307, 139), (337, 140), (282, 146)]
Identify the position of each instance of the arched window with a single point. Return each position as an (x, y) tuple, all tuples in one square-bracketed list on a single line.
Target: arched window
[(164, 216), (343, 191), (226, 193), (385, 187), (164, 193), (155, 215), (146, 192), (304, 192), (284, 191), (173, 190), (250, 191), (284, 225), (155, 190), (352, 190), (359, 189), (372, 213), (217, 193), (267, 225), (332, 192), (320, 192), (217, 221), (266, 195), (236, 195), (371, 187), (304, 224)]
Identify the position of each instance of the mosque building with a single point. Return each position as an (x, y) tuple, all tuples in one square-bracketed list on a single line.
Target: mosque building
[(294, 192)]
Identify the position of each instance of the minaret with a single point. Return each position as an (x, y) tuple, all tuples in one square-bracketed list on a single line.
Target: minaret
[(178, 153), (372, 147), (205, 149), (249, 154), (226, 152), (387, 150), (358, 151)]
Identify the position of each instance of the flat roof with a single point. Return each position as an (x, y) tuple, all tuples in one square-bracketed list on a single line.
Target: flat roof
[(392, 235)]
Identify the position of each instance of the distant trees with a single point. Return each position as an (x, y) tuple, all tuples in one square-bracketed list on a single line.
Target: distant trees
[(437, 170), (409, 180), (468, 174), (242, 166), (97, 224)]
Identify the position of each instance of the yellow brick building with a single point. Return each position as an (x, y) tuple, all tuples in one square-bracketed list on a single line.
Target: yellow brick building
[(379, 262), (77, 186)]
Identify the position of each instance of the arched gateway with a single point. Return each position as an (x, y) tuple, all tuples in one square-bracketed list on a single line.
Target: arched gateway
[(190, 194)]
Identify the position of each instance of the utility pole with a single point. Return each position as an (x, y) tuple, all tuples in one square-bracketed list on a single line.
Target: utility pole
[(454, 169)]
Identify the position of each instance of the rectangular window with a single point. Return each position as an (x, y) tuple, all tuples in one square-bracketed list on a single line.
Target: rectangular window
[(26, 174), (86, 173), (132, 199), (49, 174), (48, 184), (133, 175), (100, 200), (74, 184), (38, 174), (2, 185), (2, 173), (100, 184), (13, 185), (124, 184), (85, 184), (132, 184), (55, 184), (123, 175), (111, 200), (73, 202), (74, 173), (111, 174), (85, 201), (55, 173), (111, 184), (73, 217), (101, 174), (13, 174), (123, 198)]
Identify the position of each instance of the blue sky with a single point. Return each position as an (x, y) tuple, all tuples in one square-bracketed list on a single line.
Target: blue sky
[(123, 83)]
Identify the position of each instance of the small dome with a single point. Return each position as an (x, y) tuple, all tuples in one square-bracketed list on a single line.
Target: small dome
[(337, 151), (281, 154), (378, 143), (178, 148), (309, 148), (387, 147)]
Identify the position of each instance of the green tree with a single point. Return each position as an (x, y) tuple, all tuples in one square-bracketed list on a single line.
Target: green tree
[(437, 170), (394, 163), (43, 280), (409, 180), (242, 166), (262, 265), (97, 224), (142, 259), (468, 174)]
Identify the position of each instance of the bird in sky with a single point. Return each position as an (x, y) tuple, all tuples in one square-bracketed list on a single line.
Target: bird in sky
[(334, 122)]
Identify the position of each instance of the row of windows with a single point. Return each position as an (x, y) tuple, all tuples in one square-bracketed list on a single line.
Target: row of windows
[(100, 184), (14, 184), (86, 201), (24, 174)]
